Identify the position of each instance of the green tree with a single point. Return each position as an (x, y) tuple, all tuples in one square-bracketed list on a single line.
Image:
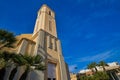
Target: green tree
[(101, 76), (87, 78), (5, 61), (2, 68), (103, 64), (30, 62), (92, 65), (7, 39), (96, 76), (33, 63)]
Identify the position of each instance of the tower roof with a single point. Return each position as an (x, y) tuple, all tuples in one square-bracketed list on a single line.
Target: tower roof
[(45, 5)]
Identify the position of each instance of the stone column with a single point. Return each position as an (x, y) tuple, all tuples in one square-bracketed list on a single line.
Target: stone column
[(40, 50), (62, 63), (40, 44), (48, 40)]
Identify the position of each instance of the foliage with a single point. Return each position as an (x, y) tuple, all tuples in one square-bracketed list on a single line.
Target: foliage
[(2, 63), (31, 62), (6, 59), (103, 64), (96, 76), (101, 76), (7, 39), (34, 61), (92, 65)]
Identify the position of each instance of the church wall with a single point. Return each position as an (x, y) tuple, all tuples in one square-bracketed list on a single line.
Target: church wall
[(62, 63), (50, 25), (52, 53), (30, 48), (23, 46), (51, 45)]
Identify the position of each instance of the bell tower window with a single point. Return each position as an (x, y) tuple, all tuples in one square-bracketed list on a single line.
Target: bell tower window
[(50, 13), (50, 26), (50, 43)]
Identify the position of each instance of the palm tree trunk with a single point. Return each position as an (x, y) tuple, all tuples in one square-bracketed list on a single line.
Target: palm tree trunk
[(25, 74), (104, 68), (19, 72), (96, 69), (92, 71), (13, 72)]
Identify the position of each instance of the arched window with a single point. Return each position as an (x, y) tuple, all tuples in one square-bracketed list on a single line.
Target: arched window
[(50, 13)]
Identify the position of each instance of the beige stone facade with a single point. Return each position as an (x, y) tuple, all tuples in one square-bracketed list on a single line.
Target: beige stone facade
[(73, 76), (44, 42)]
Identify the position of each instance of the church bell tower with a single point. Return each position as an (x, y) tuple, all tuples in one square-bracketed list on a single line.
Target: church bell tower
[(46, 21), (48, 45), (43, 41)]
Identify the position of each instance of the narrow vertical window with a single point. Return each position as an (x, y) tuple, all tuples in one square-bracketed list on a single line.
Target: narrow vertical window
[(50, 26), (51, 44), (50, 13), (55, 45)]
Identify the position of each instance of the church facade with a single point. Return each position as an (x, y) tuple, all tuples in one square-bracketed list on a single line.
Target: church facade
[(44, 41)]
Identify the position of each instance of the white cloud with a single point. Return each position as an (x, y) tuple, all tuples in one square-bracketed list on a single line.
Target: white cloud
[(84, 70), (98, 57)]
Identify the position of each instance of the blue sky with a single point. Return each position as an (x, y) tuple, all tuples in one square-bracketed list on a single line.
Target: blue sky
[(89, 30)]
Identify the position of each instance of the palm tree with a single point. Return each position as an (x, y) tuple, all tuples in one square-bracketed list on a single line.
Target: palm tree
[(33, 63), (5, 61), (2, 61), (89, 66), (9, 59), (2, 68), (101, 76), (103, 64), (92, 65), (7, 39)]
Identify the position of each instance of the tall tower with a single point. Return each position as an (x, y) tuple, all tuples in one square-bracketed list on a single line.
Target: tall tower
[(44, 42), (48, 45), (46, 21)]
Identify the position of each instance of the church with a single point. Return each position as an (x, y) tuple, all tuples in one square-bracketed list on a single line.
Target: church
[(44, 41)]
